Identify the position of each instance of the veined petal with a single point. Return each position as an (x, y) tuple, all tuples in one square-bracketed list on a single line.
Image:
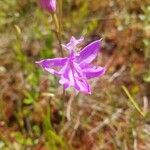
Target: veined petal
[(73, 76), (89, 53), (82, 86), (93, 71), (67, 78), (81, 83), (50, 64)]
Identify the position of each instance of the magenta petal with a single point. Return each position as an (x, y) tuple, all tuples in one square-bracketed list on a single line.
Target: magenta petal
[(73, 76), (82, 86), (89, 53), (64, 80), (81, 83), (93, 71), (50, 65)]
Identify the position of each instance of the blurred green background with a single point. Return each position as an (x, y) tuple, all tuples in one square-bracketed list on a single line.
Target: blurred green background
[(32, 112)]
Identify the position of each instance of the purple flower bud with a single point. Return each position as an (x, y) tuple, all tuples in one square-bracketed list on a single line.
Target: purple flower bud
[(49, 5)]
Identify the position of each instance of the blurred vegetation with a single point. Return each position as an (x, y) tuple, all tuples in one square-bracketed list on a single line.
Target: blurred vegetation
[(32, 112)]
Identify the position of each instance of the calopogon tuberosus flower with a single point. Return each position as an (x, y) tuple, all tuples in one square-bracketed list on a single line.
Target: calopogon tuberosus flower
[(48, 5), (76, 69)]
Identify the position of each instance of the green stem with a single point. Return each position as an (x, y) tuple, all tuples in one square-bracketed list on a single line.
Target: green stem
[(56, 22), (58, 36), (57, 32), (60, 15)]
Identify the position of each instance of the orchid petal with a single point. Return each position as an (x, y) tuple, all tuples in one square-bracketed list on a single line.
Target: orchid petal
[(65, 76), (89, 53), (50, 64), (73, 76), (81, 83), (83, 86), (93, 71)]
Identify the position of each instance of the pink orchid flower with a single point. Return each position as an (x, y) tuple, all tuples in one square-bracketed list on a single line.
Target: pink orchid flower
[(75, 69)]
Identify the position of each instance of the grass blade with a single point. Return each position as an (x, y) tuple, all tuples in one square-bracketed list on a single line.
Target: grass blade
[(133, 101)]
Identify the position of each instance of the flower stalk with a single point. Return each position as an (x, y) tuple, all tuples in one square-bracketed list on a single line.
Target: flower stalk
[(57, 32)]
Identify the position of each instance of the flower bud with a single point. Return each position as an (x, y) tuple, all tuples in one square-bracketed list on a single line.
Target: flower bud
[(48, 5)]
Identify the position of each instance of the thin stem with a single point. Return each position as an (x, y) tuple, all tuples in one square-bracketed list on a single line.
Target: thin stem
[(58, 36), (54, 16), (57, 32), (59, 40), (68, 112), (60, 15)]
